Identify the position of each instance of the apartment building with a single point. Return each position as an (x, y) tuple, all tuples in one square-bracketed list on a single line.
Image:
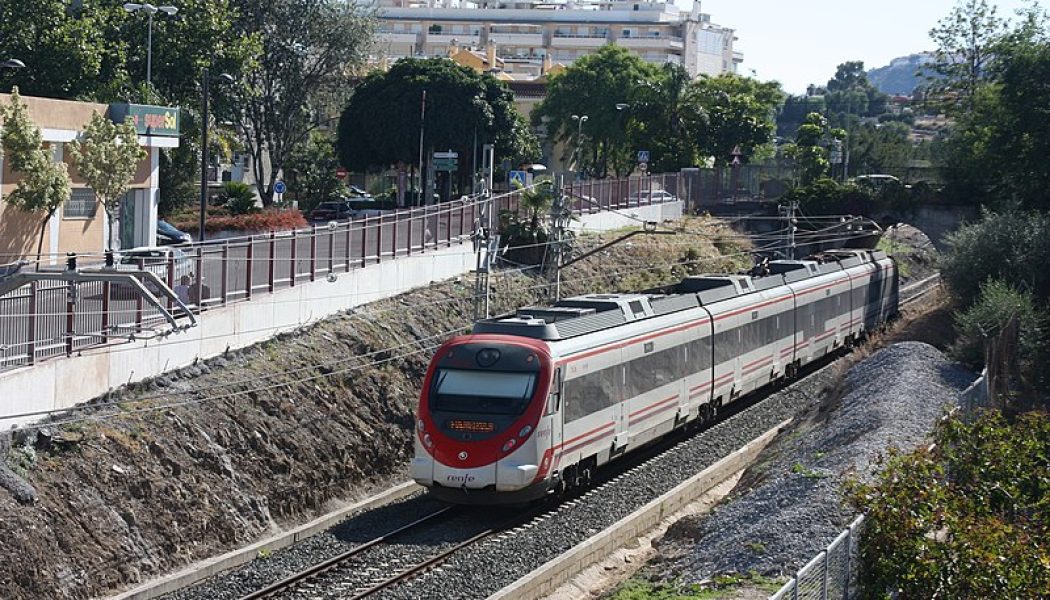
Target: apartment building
[(527, 34)]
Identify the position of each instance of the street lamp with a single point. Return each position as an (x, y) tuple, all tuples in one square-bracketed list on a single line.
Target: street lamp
[(580, 120), (205, 80), (12, 63), (150, 10)]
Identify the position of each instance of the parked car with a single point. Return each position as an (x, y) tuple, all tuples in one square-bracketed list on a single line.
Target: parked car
[(368, 206), (167, 234), (653, 197), (332, 211)]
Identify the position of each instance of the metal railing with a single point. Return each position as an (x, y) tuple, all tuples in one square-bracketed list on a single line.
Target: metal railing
[(57, 318), (830, 574), (627, 192)]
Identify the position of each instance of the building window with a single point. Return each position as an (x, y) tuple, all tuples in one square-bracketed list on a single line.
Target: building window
[(435, 29), (81, 204)]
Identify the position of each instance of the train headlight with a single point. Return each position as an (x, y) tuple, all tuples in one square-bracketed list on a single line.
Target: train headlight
[(427, 441), (526, 430), (419, 425), (510, 444), (486, 357)]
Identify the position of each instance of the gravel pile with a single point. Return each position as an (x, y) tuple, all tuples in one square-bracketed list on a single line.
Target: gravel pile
[(891, 399)]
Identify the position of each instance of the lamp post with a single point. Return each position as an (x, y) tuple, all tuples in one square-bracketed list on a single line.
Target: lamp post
[(580, 120), (150, 10), (205, 80)]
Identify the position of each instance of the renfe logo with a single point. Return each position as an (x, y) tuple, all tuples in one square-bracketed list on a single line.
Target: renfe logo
[(464, 478)]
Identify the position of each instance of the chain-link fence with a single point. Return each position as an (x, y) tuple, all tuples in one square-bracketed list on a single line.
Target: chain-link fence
[(831, 574)]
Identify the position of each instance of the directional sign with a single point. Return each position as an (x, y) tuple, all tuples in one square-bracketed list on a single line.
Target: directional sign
[(518, 176), (643, 156), (279, 187), (446, 164), (449, 154)]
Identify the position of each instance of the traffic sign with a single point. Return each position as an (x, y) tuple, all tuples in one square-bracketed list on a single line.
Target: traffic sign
[(446, 164), (518, 176), (341, 173), (279, 187), (449, 154), (643, 156)]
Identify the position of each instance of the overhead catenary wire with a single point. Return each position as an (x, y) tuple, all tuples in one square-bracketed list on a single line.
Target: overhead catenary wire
[(311, 367)]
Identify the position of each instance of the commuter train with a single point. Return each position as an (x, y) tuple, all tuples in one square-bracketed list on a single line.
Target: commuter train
[(533, 403)]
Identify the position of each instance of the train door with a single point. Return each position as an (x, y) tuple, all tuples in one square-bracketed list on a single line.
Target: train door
[(553, 414)]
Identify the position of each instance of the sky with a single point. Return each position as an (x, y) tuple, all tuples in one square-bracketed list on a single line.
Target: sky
[(798, 42)]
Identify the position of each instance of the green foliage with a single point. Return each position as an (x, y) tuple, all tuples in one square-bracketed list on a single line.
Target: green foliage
[(107, 156), (45, 184), (968, 519), (965, 47), (721, 586), (306, 68), (238, 198), (738, 112), (809, 152), (311, 172), (828, 197), (1012, 246), (996, 306), (593, 86), (458, 101), (526, 228)]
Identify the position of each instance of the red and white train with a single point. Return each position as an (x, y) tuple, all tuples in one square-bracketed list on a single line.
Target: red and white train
[(535, 402)]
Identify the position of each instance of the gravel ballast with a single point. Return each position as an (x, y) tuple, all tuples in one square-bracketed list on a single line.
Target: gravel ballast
[(794, 506)]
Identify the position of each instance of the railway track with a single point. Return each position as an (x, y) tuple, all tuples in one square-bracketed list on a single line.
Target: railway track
[(406, 552)]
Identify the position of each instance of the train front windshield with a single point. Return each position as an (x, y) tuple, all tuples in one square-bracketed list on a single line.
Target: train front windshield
[(482, 392)]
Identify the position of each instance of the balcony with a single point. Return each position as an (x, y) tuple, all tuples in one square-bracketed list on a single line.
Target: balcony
[(651, 42), (401, 37), (464, 39), (528, 40), (565, 40)]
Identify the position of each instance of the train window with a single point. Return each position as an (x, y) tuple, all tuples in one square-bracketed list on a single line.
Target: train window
[(648, 347), (654, 370), (592, 392), (637, 308), (483, 392)]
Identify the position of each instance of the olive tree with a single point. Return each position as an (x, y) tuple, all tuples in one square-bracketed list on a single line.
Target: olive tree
[(107, 156)]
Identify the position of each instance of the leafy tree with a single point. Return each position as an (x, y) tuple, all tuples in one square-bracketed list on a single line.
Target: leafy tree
[(662, 113), (459, 101), (45, 184), (593, 86), (311, 172), (310, 51), (809, 151), (734, 112), (964, 51), (880, 148), (106, 157), (967, 517)]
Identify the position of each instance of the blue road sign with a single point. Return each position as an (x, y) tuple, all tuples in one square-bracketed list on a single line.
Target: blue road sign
[(643, 156), (518, 176), (279, 187)]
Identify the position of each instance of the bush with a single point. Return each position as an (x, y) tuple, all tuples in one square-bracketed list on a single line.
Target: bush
[(267, 220), (997, 304), (826, 196), (238, 198), (969, 518)]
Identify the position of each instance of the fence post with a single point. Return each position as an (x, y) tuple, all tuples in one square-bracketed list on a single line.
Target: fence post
[(411, 226), (272, 267), (295, 250), (824, 581), (225, 286), (106, 290), (393, 237), (331, 250), (379, 239), (169, 277), (70, 317), (249, 255), (364, 241), (313, 252), (849, 552), (448, 226), (138, 297), (349, 242), (31, 345)]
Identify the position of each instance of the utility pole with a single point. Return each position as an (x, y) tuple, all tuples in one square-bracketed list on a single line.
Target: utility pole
[(560, 216), (788, 214), (422, 124), (486, 243)]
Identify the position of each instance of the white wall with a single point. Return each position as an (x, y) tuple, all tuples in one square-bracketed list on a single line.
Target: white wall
[(65, 382)]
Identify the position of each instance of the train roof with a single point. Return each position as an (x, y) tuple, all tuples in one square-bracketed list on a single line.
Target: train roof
[(590, 313)]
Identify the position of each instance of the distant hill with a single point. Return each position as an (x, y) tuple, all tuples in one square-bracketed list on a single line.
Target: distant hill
[(899, 77)]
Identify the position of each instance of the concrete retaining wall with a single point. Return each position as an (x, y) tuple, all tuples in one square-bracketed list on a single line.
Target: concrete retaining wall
[(66, 382)]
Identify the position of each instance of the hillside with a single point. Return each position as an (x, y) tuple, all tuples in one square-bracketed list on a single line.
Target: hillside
[(901, 76)]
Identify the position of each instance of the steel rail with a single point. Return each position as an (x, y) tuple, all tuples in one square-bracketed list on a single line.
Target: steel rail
[(327, 565)]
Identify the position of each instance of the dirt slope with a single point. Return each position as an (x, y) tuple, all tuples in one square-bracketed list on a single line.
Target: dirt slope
[(216, 455)]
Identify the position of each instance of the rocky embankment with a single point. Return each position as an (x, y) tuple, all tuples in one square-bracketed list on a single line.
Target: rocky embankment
[(790, 506), (216, 455)]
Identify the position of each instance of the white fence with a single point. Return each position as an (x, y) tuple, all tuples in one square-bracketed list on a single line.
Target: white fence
[(831, 574)]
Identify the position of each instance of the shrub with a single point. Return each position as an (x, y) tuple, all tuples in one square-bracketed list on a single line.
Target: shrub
[(827, 197), (238, 198), (968, 518), (267, 220)]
